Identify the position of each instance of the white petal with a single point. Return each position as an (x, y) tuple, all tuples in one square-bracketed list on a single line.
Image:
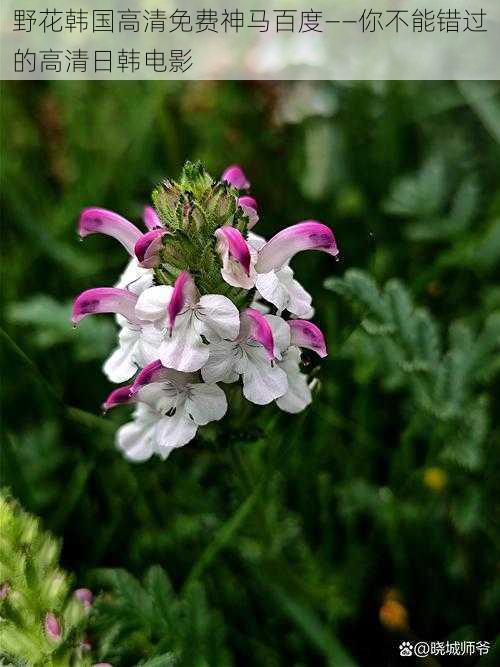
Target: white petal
[(135, 278), (153, 302), (299, 301), (270, 288), (262, 382), (255, 241), (235, 275), (298, 395), (136, 440), (148, 346), (205, 403), (174, 431), (220, 314), (122, 364), (184, 350), (220, 366), (159, 396)]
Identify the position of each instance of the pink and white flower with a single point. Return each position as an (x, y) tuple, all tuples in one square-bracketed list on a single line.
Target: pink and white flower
[(175, 344), (170, 407), (268, 268), (183, 318), (253, 355), (306, 335), (138, 340), (144, 247), (237, 256), (275, 281)]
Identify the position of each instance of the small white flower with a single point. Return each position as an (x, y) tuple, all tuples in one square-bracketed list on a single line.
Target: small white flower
[(252, 355), (171, 406), (138, 339), (183, 317), (274, 279)]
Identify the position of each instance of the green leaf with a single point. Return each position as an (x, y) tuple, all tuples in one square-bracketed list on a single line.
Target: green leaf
[(420, 195)]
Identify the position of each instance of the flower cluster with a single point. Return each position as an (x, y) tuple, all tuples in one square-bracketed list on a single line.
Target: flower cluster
[(202, 301)]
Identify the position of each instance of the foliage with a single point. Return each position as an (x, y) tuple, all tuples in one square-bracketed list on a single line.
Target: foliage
[(402, 344), (297, 539), (152, 625), (34, 588)]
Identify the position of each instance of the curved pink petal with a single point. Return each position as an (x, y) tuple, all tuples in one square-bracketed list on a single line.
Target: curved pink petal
[(102, 221), (184, 292), (119, 396), (235, 175), (150, 373), (308, 235), (151, 218), (147, 248), (157, 372), (104, 300), (306, 334), (260, 329), (236, 244)]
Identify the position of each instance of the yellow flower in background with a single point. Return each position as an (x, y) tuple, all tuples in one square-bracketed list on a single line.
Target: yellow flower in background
[(393, 614), (435, 479)]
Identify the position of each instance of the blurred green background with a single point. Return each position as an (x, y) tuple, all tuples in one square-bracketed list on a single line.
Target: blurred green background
[(318, 539)]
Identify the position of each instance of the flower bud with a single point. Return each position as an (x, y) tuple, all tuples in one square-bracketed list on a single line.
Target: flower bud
[(165, 198), (222, 204), (52, 627), (195, 179), (85, 596), (85, 646), (235, 175), (4, 590)]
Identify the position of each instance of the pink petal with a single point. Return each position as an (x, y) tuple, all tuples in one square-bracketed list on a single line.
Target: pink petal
[(52, 626), (260, 329), (248, 202), (308, 235), (238, 247), (150, 373), (306, 334), (119, 396), (235, 175), (184, 292), (151, 218), (157, 372), (147, 247), (99, 220), (104, 300)]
